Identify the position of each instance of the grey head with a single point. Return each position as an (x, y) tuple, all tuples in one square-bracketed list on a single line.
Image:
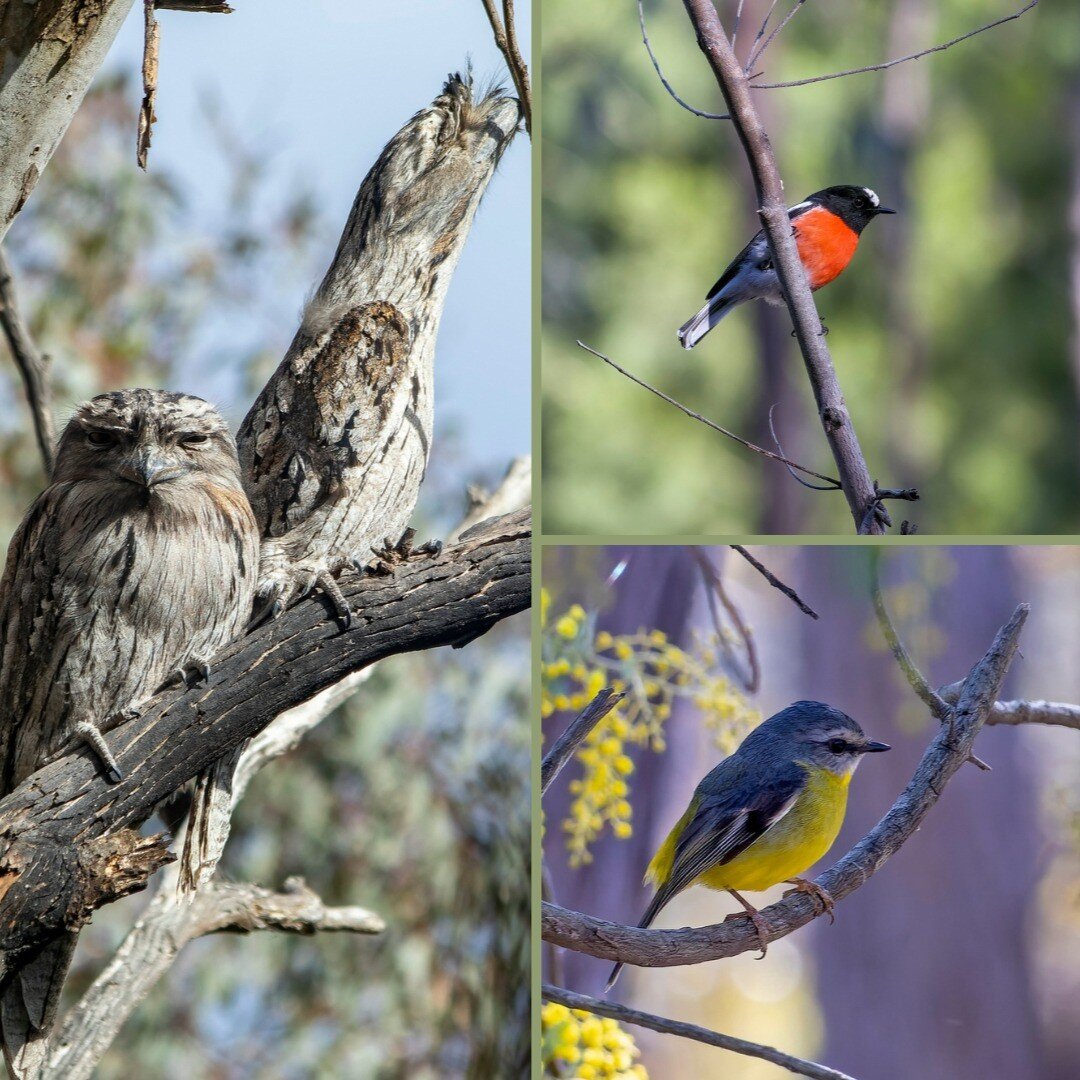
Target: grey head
[(147, 443), (811, 733)]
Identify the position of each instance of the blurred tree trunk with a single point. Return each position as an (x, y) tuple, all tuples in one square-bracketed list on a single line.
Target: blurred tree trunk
[(943, 924), (49, 53), (1073, 115), (905, 106), (655, 592)]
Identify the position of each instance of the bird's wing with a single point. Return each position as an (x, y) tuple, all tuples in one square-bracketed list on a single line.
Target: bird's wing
[(726, 823), (756, 249)]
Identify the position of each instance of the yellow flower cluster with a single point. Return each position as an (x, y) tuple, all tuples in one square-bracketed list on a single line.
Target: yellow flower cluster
[(578, 662), (580, 1046)]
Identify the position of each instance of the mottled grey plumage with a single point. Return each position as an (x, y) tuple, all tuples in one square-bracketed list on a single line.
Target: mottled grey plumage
[(139, 559)]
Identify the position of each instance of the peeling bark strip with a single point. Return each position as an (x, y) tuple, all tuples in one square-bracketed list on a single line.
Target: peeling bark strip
[(49, 52), (151, 47), (350, 407), (62, 812)]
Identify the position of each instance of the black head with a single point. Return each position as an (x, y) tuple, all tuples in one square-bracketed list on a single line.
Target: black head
[(856, 206)]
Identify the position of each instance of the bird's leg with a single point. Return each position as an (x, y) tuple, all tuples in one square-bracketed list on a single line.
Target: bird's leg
[(197, 666), (391, 555), (87, 733), (761, 924), (284, 580), (816, 892)]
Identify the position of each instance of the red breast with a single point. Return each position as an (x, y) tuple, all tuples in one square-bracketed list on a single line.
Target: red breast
[(825, 244)]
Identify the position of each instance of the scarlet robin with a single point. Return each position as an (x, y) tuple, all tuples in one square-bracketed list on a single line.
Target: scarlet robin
[(827, 226)]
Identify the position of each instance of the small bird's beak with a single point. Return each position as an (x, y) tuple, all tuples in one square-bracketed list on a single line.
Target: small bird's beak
[(876, 747), (149, 469), (885, 210)]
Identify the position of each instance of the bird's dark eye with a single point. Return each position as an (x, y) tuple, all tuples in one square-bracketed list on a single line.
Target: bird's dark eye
[(837, 746), (860, 203), (193, 438), (100, 438)]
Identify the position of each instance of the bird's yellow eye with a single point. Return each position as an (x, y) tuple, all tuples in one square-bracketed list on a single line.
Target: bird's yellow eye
[(837, 746), (193, 438), (100, 438)]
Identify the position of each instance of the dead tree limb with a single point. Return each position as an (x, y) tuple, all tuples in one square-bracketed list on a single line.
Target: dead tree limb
[(49, 52), (33, 366), (661, 1024), (504, 30), (944, 755), (836, 422), (48, 821)]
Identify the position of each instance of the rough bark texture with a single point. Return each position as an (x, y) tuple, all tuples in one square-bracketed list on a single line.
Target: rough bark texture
[(46, 823), (350, 407), (50, 52)]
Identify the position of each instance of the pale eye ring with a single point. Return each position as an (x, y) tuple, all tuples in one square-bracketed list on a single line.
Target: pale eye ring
[(860, 203), (193, 438), (100, 438)]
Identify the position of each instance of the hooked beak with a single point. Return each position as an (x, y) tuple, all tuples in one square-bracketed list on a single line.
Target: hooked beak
[(876, 747), (885, 210), (148, 469)]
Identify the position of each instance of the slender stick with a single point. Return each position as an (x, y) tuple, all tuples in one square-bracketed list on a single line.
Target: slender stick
[(32, 365), (836, 486), (577, 731), (689, 1031), (839, 431), (757, 54), (776, 583), (714, 590), (900, 59), (506, 41)]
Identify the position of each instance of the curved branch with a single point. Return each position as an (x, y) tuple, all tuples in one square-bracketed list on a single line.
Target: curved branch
[(689, 1031), (47, 821), (900, 59), (945, 754)]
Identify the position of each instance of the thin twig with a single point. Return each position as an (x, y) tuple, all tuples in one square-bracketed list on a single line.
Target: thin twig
[(764, 26), (151, 43), (709, 423), (714, 590), (505, 33), (689, 1031), (944, 755), (735, 26), (939, 708), (757, 54), (900, 59), (780, 451), (208, 6), (775, 582), (667, 86), (575, 734), (32, 365)]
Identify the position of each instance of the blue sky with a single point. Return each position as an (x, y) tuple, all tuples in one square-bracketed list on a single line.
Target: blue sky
[(320, 87)]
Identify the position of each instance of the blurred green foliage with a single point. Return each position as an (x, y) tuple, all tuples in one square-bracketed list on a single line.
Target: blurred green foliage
[(950, 333), (412, 799)]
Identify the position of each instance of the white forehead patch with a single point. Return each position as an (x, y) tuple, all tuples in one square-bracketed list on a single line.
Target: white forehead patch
[(872, 196)]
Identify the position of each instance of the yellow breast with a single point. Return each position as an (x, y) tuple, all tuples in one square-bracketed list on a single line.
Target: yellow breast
[(794, 843)]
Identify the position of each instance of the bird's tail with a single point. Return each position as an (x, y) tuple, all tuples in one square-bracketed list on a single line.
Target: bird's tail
[(28, 1005), (692, 331), (658, 901)]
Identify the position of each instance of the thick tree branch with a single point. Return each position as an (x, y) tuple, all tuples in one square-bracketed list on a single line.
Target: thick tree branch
[(47, 822), (1014, 713), (689, 1031), (33, 366), (945, 754), (836, 422), (50, 52)]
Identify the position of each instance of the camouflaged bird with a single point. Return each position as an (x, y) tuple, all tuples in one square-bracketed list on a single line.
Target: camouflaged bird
[(134, 566)]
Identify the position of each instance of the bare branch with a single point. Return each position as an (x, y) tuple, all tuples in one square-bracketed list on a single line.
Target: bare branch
[(689, 1031), (900, 59), (714, 590), (663, 79), (945, 754), (504, 31), (776, 583), (1014, 713), (764, 26), (32, 365), (209, 6), (577, 731), (709, 423), (836, 422), (144, 957), (758, 52), (513, 492)]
